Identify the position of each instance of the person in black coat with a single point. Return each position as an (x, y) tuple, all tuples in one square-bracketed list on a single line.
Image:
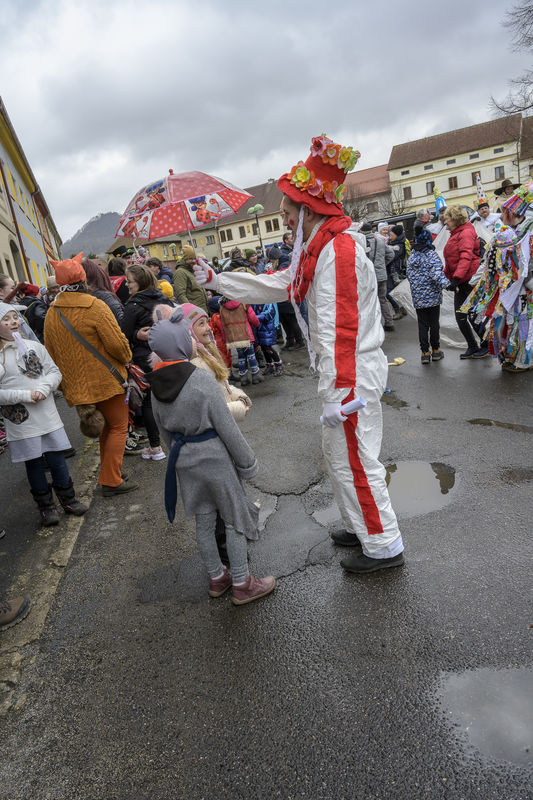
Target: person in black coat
[(36, 309), (136, 324)]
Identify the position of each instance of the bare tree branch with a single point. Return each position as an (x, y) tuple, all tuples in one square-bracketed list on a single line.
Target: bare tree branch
[(519, 20)]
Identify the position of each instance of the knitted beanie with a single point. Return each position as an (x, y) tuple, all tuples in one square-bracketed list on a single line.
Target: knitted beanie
[(30, 289), (5, 308), (171, 339), (69, 271), (248, 253), (423, 236), (193, 314), (188, 251)]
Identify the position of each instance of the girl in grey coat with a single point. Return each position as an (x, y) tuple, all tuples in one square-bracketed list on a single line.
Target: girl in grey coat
[(210, 457)]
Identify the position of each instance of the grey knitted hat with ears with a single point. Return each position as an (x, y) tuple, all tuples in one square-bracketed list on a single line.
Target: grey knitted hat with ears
[(171, 338)]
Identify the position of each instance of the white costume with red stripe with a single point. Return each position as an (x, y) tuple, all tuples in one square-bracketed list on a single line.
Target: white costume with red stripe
[(346, 333)]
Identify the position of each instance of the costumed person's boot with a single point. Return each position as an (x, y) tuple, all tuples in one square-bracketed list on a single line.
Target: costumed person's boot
[(47, 508), (70, 503), (245, 379), (257, 377)]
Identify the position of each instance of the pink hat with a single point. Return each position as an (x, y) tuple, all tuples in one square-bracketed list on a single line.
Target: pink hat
[(193, 314)]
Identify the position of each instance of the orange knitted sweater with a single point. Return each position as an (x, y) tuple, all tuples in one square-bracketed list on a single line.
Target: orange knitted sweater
[(85, 379)]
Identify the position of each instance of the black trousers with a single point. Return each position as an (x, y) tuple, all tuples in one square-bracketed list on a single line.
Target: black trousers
[(149, 420), (291, 328), (271, 356), (428, 322), (459, 296)]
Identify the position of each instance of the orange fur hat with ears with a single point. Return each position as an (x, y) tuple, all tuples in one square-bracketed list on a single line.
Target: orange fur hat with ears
[(69, 271)]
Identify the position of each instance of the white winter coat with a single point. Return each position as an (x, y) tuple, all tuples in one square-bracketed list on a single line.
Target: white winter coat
[(16, 387)]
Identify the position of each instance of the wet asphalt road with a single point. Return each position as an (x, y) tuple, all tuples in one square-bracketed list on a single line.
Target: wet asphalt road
[(337, 686)]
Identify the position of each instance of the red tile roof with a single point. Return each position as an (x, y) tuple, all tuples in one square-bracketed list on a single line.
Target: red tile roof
[(462, 140), (365, 182)]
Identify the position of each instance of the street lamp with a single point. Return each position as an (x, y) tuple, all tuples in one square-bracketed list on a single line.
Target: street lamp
[(255, 210)]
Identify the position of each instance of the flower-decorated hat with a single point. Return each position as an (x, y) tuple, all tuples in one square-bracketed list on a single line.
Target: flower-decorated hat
[(69, 271), (519, 202), (318, 183)]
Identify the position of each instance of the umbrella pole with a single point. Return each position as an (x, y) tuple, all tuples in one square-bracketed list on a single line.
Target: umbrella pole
[(188, 231)]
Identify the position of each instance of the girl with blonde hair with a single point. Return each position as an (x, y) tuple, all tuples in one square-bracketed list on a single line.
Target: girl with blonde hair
[(208, 357)]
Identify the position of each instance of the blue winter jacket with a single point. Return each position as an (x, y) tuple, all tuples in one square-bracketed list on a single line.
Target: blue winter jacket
[(266, 332), (426, 277)]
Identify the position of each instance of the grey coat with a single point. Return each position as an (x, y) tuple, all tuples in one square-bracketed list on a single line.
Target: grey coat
[(188, 400), (380, 254)]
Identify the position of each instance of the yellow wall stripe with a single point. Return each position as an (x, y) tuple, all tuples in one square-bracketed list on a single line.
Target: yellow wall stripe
[(37, 245)]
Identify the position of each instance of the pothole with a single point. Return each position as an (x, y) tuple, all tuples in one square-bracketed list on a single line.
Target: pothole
[(495, 423), (390, 398), (418, 487), (491, 711), (517, 475)]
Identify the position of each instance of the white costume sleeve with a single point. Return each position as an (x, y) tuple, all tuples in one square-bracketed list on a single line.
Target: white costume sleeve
[(254, 288), (347, 315)]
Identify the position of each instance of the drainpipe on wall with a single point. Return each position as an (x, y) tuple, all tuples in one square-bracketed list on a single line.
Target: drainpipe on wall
[(15, 223)]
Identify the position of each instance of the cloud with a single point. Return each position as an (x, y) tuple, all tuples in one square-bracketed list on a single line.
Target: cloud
[(107, 96)]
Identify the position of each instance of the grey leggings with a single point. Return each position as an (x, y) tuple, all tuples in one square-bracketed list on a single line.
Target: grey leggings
[(207, 546)]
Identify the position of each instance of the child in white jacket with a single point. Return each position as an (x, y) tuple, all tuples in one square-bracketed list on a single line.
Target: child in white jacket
[(34, 429)]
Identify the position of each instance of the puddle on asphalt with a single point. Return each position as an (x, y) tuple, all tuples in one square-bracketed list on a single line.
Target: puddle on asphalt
[(492, 711), (416, 487), (493, 422), (390, 398)]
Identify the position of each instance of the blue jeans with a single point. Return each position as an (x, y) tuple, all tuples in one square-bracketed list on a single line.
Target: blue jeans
[(37, 476)]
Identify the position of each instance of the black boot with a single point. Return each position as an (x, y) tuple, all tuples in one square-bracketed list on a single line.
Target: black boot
[(67, 497), (47, 507)]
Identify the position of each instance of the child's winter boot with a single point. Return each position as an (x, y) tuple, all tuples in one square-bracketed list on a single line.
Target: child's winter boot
[(278, 368), (47, 508), (70, 503)]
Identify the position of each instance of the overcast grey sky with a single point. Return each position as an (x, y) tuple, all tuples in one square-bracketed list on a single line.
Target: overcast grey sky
[(106, 95)]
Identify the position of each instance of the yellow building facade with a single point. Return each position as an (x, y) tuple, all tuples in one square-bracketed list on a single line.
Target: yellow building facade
[(451, 161), (28, 237)]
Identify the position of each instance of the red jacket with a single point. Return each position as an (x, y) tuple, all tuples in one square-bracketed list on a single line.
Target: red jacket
[(218, 332), (461, 254)]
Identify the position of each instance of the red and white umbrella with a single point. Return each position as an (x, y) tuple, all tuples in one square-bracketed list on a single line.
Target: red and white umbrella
[(179, 203)]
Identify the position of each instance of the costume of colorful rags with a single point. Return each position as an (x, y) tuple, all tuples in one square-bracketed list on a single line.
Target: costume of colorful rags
[(331, 271), (503, 296)]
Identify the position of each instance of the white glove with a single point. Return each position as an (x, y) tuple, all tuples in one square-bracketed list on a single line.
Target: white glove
[(332, 415), (204, 275)]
